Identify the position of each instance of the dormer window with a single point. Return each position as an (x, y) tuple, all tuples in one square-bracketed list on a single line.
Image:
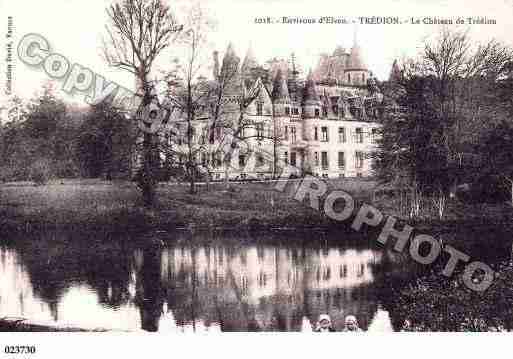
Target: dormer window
[(260, 108)]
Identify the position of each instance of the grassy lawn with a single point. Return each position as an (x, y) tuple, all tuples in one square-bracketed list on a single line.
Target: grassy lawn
[(95, 203)]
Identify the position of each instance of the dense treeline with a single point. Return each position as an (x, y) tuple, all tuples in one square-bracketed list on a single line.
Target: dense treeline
[(448, 122), (46, 139)]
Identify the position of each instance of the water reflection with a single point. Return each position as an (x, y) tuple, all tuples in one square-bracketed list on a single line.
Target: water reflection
[(182, 287)]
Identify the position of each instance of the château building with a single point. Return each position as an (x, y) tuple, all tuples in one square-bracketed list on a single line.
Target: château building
[(325, 124)]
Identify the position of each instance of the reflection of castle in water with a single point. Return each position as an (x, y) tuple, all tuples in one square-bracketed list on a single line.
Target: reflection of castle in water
[(209, 287), (259, 272), (270, 282)]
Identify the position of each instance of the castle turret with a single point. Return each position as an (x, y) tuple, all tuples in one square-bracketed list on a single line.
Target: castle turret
[(292, 81), (311, 100), (280, 94), (311, 107), (248, 66), (230, 72), (395, 73), (356, 72)]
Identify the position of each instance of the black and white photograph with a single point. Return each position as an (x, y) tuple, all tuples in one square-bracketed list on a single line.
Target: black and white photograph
[(178, 168)]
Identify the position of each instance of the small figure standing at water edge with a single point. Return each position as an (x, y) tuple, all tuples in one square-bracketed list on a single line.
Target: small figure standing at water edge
[(324, 324), (351, 324)]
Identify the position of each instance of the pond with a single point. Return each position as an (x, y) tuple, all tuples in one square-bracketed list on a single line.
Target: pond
[(181, 282)]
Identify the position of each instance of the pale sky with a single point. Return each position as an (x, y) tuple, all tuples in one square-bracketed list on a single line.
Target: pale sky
[(74, 29)]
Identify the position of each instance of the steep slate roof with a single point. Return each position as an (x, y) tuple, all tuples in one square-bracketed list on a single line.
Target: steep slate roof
[(310, 95), (249, 62), (280, 92), (355, 61)]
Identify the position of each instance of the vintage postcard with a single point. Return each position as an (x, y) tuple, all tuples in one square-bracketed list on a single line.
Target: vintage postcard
[(184, 166)]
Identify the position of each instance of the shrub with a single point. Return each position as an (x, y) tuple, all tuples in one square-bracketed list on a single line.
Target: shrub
[(40, 171)]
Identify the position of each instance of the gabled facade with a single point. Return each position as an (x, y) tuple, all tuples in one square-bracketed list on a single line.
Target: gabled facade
[(325, 125)]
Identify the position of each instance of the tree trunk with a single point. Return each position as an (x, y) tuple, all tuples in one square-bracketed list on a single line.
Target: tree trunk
[(512, 193), (207, 182), (192, 180), (148, 180), (226, 179)]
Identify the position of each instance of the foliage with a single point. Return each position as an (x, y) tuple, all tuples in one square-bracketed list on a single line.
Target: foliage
[(436, 111), (105, 143), (434, 303), (40, 171), (65, 141)]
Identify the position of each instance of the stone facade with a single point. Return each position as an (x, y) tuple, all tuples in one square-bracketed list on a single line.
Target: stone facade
[(325, 125)]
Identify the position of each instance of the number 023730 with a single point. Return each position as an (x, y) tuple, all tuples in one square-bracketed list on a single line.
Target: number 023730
[(19, 349)]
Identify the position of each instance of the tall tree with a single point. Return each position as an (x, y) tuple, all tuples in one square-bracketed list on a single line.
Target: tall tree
[(464, 73), (138, 32), (188, 89)]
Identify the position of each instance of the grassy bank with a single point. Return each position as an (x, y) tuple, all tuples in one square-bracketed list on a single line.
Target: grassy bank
[(456, 213), (118, 206)]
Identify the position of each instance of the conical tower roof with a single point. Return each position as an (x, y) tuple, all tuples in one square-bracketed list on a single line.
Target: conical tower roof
[(310, 95), (395, 72), (230, 60), (356, 61), (339, 51), (280, 89), (230, 71), (249, 62)]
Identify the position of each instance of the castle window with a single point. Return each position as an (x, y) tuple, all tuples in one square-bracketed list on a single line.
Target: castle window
[(324, 160), (216, 160), (293, 158), (203, 135), (316, 112), (242, 160), (341, 135), (363, 78), (260, 160), (260, 108), (316, 136), (296, 111), (324, 134), (178, 134), (324, 111), (359, 135), (334, 108), (348, 78), (260, 130), (286, 133), (293, 134), (374, 135), (316, 159), (218, 134), (287, 111), (341, 160), (286, 157), (192, 134), (358, 159)]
